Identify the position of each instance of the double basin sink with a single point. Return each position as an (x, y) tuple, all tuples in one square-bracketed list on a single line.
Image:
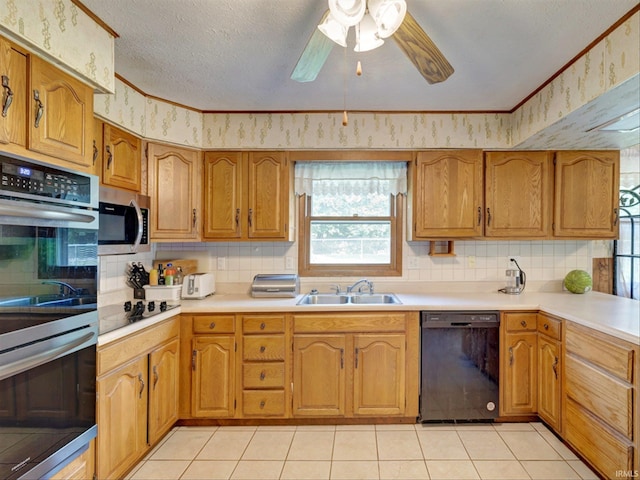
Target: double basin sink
[(50, 301), (349, 298)]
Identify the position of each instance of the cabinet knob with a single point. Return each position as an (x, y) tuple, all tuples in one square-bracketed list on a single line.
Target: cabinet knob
[(263, 326), (262, 348), (262, 404), (262, 375), (212, 325), (523, 323), (546, 326)]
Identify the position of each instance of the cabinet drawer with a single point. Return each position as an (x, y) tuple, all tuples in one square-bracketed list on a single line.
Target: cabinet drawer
[(549, 326), (520, 322), (263, 324), (263, 348), (601, 350), (214, 324), (599, 445), (605, 396), (263, 403), (263, 375)]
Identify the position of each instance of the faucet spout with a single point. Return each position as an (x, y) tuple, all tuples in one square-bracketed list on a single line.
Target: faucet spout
[(364, 283), (63, 286)]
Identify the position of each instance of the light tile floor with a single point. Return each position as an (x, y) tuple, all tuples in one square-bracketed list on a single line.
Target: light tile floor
[(346, 452)]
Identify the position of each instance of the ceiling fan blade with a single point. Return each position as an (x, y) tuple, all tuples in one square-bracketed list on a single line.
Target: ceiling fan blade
[(421, 50), (314, 55)]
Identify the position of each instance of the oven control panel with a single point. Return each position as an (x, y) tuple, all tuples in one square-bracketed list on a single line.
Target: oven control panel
[(41, 181)]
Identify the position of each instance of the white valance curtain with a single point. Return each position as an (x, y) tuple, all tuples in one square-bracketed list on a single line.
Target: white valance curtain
[(350, 178)]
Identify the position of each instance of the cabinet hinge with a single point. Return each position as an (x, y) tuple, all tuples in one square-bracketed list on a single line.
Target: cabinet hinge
[(235, 347), (235, 404)]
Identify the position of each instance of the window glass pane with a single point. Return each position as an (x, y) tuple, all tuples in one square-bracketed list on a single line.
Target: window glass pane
[(350, 242), (369, 205)]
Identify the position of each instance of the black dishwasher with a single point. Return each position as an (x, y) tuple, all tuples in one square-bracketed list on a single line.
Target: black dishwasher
[(459, 360)]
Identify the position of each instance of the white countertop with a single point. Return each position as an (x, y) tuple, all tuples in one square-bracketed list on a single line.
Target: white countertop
[(609, 314)]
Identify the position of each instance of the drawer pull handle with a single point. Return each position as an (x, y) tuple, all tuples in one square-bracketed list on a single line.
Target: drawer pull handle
[(263, 375), (109, 156), (510, 356), (546, 326), (341, 358), (555, 367), (155, 376), (262, 404), (263, 326), (523, 323), (8, 95), (212, 325), (95, 152), (262, 348)]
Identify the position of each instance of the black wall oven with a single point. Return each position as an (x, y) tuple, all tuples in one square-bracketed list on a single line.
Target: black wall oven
[(48, 316)]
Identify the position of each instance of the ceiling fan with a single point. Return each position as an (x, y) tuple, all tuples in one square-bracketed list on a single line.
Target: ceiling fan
[(373, 20)]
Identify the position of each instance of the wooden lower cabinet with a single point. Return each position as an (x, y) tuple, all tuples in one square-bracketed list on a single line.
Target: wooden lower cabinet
[(213, 376), (136, 387), (518, 360), (550, 370), (340, 372), (82, 468), (600, 399)]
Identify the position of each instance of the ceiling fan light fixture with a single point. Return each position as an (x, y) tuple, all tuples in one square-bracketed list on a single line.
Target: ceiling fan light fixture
[(334, 30), (388, 15), (367, 37), (348, 12)]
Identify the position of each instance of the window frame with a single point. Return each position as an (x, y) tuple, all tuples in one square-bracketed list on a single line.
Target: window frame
[(393, 268)]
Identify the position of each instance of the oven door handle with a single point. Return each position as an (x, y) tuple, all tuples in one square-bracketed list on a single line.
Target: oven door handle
[(41, 358), (41, 212), (136, 243)]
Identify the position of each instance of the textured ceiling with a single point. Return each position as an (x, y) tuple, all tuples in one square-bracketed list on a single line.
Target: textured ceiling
[(237, 55)]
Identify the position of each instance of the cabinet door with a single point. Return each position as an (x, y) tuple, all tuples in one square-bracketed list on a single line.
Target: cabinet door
[(268, 190), (60, 115), (82, 468), (213, 376), (549, 381), (520, 373), (319, 375), (13, 110), (174, 188), (447, 194), (586, 194), (223, 179), (379, 374), (518, 194), (163, 389), (122, 418), (121, 164)]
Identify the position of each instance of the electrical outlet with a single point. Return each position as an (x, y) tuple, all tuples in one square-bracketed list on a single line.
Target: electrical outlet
[(471, 261), (222, 263), (289, 264), (413, 263)]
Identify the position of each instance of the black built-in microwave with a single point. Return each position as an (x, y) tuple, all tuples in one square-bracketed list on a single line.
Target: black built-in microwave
[(124, 222)]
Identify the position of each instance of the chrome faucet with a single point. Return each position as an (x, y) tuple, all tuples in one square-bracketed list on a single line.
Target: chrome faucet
[(337, 288), (64, 286), (366, 283)]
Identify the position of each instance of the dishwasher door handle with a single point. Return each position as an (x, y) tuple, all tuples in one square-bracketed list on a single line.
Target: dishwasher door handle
[(460, 324)]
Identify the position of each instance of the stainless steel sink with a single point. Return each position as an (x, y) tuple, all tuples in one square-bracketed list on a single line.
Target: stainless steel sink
[(340, 299), (323, 299), (48, 301), (375, 298), (69, 302)]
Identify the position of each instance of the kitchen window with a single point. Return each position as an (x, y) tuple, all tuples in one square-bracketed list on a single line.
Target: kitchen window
[(350, 218)]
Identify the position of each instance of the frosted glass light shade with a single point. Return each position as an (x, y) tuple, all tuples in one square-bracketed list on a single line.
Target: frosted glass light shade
[(334, 30), (367, 37), (388, 15), (348, 12)]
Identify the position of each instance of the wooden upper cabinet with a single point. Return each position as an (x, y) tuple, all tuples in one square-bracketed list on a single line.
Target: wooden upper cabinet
[(13, 111), (447, 195), (268, 195), (223, 182), (518, 194), (586, 194), (60, 115), (247, 196), (174, 188), (121, 159)]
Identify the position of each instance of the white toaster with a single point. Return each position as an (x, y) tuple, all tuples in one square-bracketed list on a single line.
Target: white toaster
[(198, 285)]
